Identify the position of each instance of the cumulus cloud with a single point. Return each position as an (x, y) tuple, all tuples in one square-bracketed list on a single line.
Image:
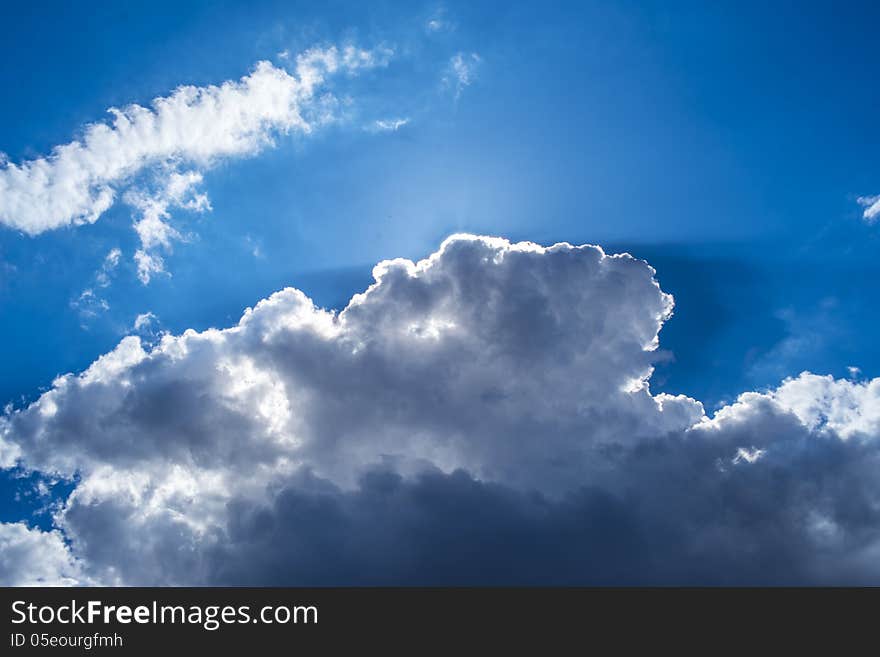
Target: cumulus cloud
[(397, 372), (872, 207), (176, 138), (30, 557), (481, 416)]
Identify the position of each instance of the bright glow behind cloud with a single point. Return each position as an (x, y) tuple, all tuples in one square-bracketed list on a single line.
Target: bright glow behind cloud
[(481, 416)]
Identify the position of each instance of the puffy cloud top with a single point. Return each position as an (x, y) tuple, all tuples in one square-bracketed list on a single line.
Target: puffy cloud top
[(483, 415), (29, 557)]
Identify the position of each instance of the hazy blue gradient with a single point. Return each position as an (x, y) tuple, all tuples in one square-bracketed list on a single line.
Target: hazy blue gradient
[(725, 143)]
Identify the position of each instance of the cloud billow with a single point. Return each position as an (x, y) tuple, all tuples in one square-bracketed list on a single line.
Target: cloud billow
[(481, 416)]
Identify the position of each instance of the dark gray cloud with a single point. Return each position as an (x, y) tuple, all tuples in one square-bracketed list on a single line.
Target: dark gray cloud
[(482, 416)]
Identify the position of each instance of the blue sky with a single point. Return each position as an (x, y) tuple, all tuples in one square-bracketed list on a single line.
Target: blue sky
[(725, 143)]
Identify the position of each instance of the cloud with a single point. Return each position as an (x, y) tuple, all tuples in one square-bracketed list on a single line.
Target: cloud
[(89, 303), (872, 207), (30, 557), (177, 190), (111, 262), (176, 138), (439, 22), (435, 25), (254, 246), (148, 265), (387, 125), (463, 341), (461, 71), (481, 416), (144, 321)]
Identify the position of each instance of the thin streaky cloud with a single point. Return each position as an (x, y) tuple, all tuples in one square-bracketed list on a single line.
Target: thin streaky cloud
[(387, 125), (439, 22)]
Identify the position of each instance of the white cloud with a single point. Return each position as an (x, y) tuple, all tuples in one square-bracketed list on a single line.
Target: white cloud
[(439, 22), (111, 262), (144, 321), (461, 72), (872, 207), (148, 265), (30, 557), (846, 409), (89, 304), (488, 408), (505, 334), (177, 190), (191, 129), (387, 125), (254, 246)]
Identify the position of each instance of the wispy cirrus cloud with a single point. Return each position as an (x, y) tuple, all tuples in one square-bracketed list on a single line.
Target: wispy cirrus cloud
[(439, 21), (387, 125), (90, 303), (461, 72), (111, 262)]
